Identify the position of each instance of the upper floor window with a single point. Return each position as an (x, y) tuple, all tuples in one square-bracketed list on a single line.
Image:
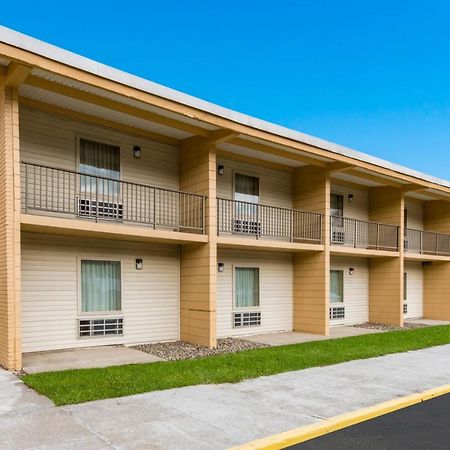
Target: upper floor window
[(246, 188), (337, 205), (99, 160)]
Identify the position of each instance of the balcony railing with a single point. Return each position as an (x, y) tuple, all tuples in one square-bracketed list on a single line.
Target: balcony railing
[(427, 242), (57, 192), (255, 220), (362, 234)]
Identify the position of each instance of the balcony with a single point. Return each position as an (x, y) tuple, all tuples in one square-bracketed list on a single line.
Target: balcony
[(270, 222), (363, 235), (64, 193), (426, 242)]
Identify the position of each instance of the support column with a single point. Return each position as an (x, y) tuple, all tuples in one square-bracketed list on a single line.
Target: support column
[(10, 326), (436, 275), (386, 205), (198, 265), (312, 269)]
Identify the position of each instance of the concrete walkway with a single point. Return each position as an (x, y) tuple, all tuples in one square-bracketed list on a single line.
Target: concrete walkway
[(216, 416), (84, 358), (294, 337)]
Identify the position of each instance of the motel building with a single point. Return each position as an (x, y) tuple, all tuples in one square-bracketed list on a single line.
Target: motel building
[(132, 213)]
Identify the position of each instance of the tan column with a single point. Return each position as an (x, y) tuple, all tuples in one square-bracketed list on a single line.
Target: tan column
[(386, 205), (10, 327), (312, 269), (198, 264), (436, 275)]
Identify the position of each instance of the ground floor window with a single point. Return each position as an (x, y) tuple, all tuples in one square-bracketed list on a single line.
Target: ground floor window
[(336, 286), (100, 286), (246, 287)]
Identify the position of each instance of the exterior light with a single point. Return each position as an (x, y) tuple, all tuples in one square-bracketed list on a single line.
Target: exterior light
[(220, 267), (351, 270), (350, 198), (139, 264), (220, 170), (137, 151)]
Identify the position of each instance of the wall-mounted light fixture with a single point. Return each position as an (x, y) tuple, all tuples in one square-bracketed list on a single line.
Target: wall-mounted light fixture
[(350, 198), (137, 151), (139, 264), (220, 170), (220, 267), (351, 271)]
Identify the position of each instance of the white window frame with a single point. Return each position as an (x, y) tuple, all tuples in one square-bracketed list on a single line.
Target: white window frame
[(247, 308), (98, 314)]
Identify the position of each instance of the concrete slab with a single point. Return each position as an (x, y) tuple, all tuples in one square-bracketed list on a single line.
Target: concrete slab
[(84, 358), (428, 322), (293, 337)]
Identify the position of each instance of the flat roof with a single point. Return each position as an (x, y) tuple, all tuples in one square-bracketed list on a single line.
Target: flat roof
[(33, 45)]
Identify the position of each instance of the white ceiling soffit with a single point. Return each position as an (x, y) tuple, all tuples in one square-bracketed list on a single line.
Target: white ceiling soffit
[(244, 151), (354, 179), (420, 195), (4, 62), (118, 98), (285, 148), (98, 111), (387, 178)]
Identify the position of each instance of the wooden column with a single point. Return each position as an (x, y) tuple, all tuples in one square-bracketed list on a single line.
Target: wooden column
[(386, 205), (198, 264), (436, 275), (312, 269), (10, 327)]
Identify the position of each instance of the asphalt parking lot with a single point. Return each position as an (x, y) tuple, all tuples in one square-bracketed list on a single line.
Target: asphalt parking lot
[(422, 426)]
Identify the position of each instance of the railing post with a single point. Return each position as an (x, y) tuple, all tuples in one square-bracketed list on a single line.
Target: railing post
[(355, 237), (26, 188), (154, 208), (421, 242), (219, 216), (377, 243), (292, 226), (437, 243), (96, 199), (257, 222)]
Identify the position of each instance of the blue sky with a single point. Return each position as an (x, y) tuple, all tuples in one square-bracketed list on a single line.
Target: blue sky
[(371, 75)]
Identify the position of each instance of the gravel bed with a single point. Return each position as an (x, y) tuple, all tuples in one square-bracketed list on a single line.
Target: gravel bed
[(380, 326), (174, 351)]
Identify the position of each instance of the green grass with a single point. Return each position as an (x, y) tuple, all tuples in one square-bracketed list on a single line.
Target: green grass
[(77, 386)]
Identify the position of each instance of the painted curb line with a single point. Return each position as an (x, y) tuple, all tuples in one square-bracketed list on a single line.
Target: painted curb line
[(298, 435)]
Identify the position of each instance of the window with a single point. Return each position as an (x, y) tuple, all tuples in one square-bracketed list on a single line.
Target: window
[(336, 286), (246, 188), (405, 218), (405, 286), (100, 286), (99, 160), (337, 205), (246, 287)]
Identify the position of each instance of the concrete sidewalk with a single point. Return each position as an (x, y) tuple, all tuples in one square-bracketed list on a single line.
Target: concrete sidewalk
[(221, 416)]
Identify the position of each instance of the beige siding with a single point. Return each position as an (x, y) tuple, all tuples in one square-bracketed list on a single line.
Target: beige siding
[(415, 215), (356, 209), (276, 291), (275, 187), (356, 289), (50, 296), (414, 290), (52, 141)]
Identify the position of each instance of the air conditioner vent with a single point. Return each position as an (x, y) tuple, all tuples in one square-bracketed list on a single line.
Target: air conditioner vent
[(338, 237), (100, 327), (246, 319), (98, 208), (247, 226), (337, 312), (405, 308)]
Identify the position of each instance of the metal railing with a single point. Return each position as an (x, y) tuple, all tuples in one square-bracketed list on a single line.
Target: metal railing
[(50, 191), (256, 220), (426, 242), (362, 234)]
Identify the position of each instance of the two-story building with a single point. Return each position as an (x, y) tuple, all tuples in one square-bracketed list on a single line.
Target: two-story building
[(133, 213)]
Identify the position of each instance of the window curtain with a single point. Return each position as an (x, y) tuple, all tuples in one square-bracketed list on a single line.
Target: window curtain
[(336, 286), (99, 160), (247, 287), (337, 205), (246, 188), (100, 286)]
